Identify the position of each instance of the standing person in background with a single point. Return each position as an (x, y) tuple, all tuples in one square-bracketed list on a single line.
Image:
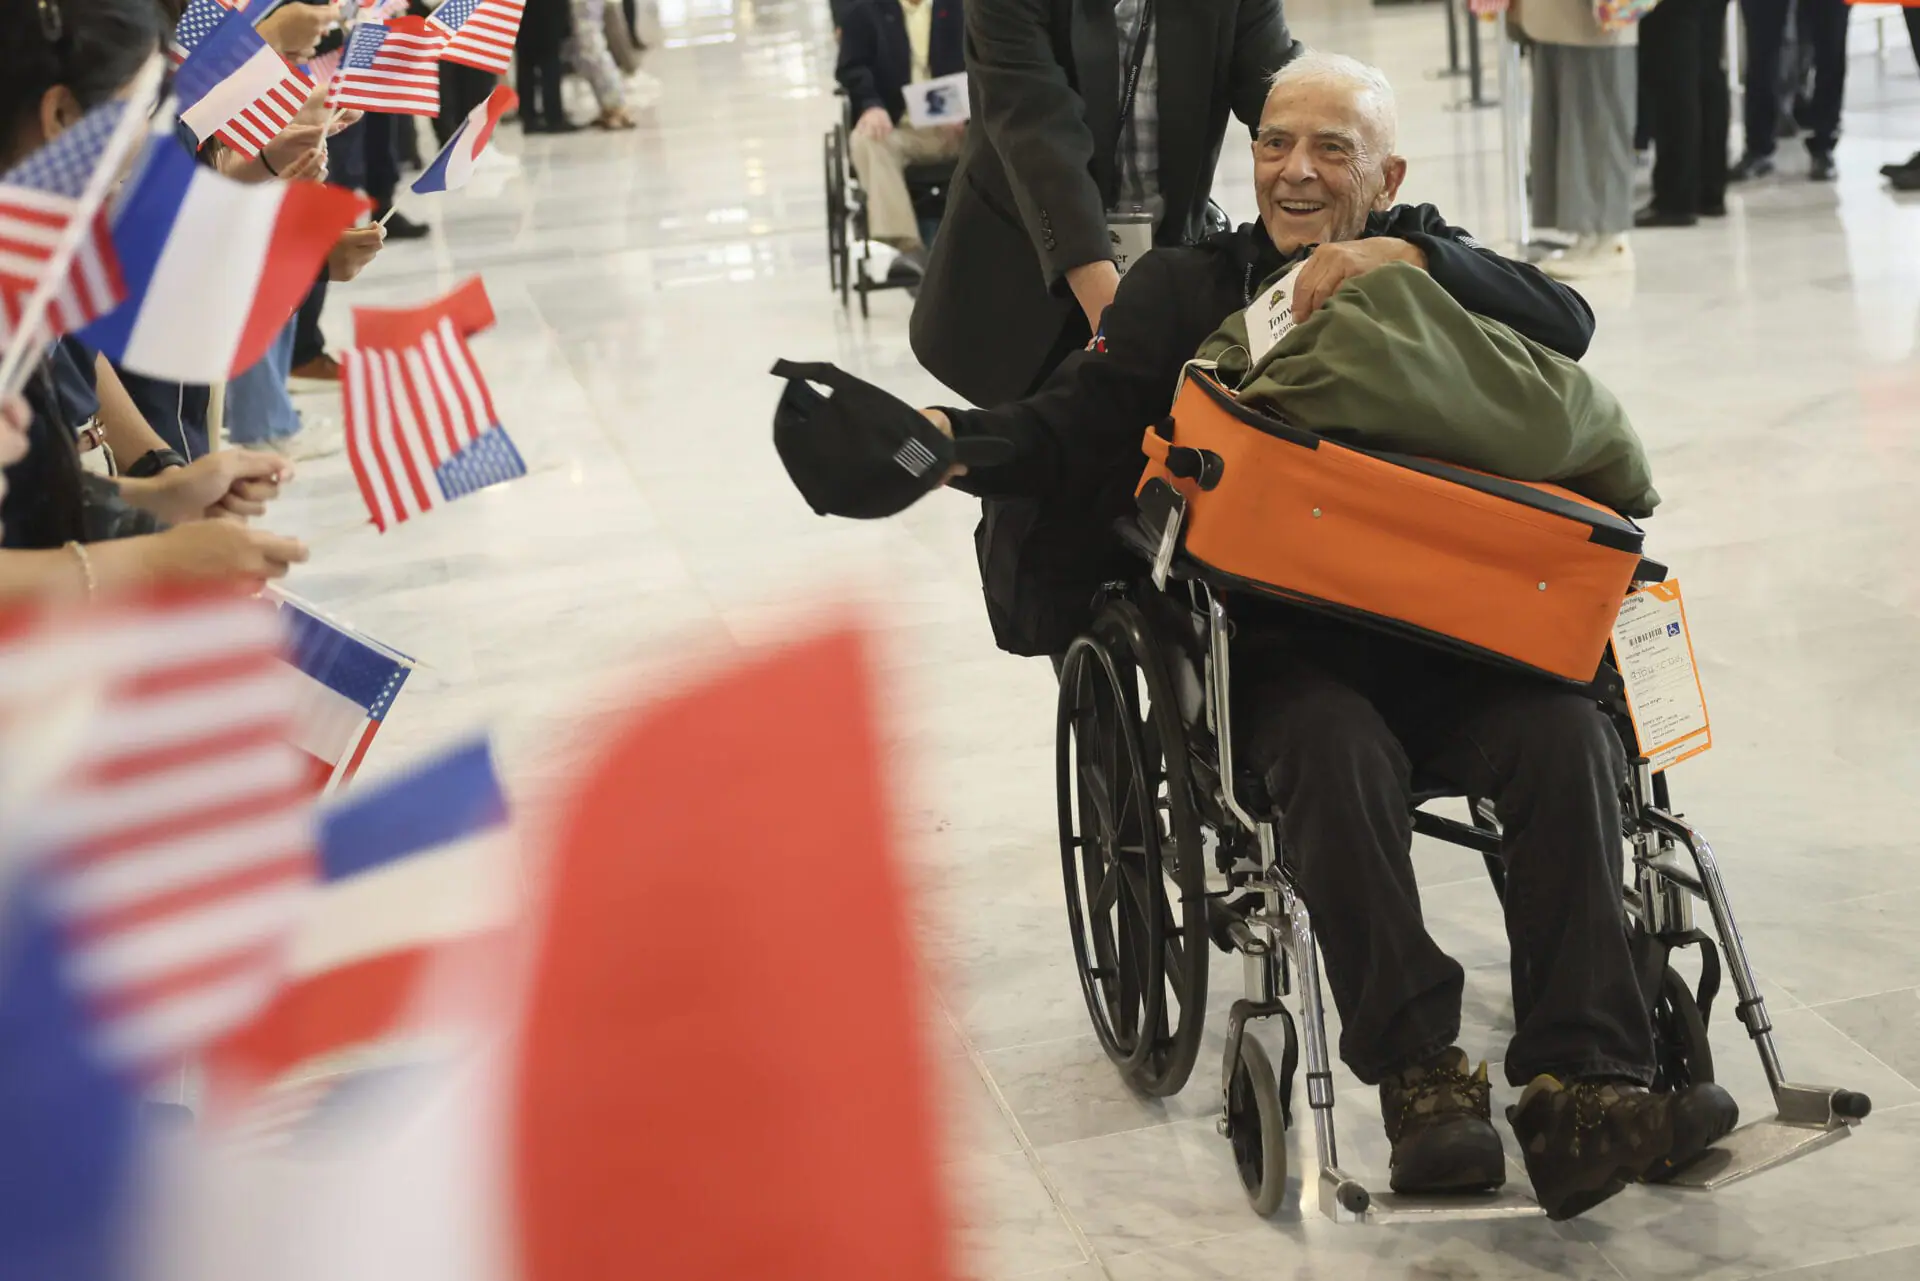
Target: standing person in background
[(1683, 49), (885, 46), (367, 159), (1584, 90), (539, 70), (588, 54), (1823, 26), (1095, 134)]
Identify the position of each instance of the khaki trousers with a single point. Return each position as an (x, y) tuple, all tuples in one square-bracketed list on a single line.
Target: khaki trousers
[(882, 166)]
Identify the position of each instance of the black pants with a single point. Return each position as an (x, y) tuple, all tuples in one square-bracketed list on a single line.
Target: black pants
[(380, 147), (1339, 730), (308, 341), (1683, 60), (539, 80), (1913, 31), (1823, 28)]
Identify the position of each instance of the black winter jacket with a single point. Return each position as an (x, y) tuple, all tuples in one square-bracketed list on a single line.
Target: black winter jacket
[(1045, 539)]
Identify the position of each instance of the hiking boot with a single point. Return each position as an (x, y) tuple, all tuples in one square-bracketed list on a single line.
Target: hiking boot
[(1438, 1120), (1585, 1141)]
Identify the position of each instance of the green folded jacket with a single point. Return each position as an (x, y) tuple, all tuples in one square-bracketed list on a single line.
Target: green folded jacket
[(1393, 363)]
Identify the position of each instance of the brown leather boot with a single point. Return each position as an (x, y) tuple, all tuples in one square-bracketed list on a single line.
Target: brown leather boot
[(1438, 1119)]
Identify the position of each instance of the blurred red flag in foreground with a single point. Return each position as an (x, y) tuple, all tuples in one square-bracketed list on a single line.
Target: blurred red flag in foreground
[(723, 1074)]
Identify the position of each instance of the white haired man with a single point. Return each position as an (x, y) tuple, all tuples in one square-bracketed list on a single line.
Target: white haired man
[(1339, 720)]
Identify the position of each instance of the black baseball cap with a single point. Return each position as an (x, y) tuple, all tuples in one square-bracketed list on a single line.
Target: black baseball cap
[(862, 452)]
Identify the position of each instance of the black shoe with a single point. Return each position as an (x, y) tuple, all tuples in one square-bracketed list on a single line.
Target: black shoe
[(401, 227), (1820, 167), (1439, 1122), (1586, 1141), (1749, 167), (1714, 211), (1652, 217), (1911, 162), (1905, 179)]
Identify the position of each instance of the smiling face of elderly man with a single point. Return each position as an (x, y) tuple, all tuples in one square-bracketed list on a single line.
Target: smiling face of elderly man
[(1323, 157)]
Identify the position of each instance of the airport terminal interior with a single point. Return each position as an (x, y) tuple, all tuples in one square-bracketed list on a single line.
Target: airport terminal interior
[(645, 281)]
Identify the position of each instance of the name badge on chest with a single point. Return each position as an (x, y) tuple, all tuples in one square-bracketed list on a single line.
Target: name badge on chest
[(1129, 235), (1270, 318)]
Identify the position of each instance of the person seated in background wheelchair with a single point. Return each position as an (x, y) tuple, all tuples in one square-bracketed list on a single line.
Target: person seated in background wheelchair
[(886, 45), (1340, 721)]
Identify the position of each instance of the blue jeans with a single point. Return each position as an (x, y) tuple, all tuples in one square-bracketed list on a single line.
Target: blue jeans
[(258, 407)]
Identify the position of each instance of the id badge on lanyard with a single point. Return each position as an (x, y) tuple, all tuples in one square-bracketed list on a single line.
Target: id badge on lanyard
[(1130, 234)]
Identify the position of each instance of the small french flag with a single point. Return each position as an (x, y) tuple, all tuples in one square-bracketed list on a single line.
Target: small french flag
[(348, 683), (212, 267), (454, 165)]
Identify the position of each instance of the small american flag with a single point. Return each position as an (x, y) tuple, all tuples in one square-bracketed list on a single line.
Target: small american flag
[(390, 66), (196, 22), (322, 68), (483, 32), (178, 843), (39, 199), (261, 123), (420, 426)]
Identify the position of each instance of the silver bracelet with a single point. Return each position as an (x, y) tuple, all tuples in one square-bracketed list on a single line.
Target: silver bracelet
[(86, 567)]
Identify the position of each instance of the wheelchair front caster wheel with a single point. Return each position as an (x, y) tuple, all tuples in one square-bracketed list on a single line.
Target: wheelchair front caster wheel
[(1257, 1128)]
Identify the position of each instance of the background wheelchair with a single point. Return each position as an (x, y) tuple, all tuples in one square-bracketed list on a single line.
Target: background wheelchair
[(849, 252), (1160, 831)]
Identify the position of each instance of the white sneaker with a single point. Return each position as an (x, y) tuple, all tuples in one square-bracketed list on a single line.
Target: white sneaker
[(317, 438), (1591, 256)]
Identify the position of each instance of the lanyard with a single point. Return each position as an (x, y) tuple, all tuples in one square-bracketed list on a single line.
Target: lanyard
[(1134, 65)]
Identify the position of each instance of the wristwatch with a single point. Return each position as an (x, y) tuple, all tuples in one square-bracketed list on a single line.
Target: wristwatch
[(153, 462)]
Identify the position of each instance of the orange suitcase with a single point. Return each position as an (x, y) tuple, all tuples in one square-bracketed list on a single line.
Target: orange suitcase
[(1528, 573)]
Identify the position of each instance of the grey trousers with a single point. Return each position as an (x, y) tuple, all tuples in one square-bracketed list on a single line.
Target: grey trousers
[(1582, 161)]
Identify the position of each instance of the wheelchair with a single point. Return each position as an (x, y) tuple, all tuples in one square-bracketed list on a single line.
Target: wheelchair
[(849, 251), (1169, 849)]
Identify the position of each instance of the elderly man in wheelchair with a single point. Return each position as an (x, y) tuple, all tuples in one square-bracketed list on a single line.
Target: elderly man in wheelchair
[(1341, 729)]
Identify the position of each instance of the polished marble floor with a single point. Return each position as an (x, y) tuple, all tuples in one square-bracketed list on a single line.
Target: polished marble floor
[(646, 281)]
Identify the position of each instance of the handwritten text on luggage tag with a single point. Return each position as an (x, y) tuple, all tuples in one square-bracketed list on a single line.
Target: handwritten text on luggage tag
[(1654, 652), (1270, 318)]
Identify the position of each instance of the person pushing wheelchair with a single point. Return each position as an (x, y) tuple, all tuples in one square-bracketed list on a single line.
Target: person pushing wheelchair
[(1339, 720)]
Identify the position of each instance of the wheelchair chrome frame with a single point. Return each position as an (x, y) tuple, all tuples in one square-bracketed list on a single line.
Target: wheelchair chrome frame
[(1661, 899)]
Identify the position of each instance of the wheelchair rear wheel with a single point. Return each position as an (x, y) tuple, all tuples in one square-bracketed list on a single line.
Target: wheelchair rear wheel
[(1130, 853), (1682, 1054), (833, 164)]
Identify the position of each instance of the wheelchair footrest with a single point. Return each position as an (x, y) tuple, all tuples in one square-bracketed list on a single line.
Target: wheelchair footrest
[(1510, 1202), (1761, 1145)]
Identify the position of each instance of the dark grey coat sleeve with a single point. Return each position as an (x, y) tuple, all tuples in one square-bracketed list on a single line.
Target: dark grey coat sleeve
[(1261, 46), (1037, 125)]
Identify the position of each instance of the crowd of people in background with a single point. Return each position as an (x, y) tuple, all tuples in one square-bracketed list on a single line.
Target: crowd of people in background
[(115, 477), (1604, 93)]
